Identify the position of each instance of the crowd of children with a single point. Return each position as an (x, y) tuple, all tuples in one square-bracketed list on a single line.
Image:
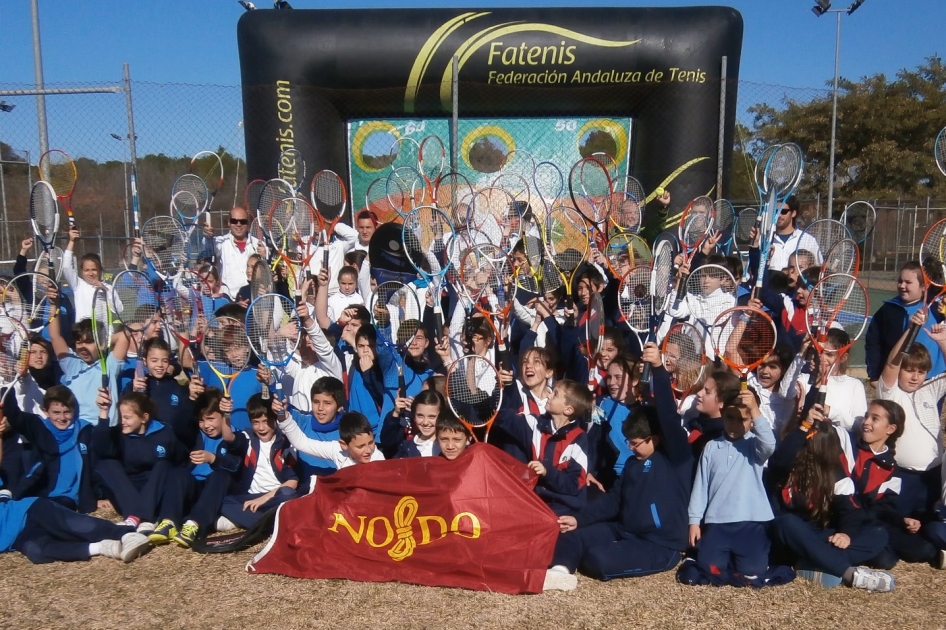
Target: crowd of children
[(745, 486)]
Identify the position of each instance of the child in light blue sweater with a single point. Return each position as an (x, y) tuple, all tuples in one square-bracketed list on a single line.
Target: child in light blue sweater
[(729, 500)]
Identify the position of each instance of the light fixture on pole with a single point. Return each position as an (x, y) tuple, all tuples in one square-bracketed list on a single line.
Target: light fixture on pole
[(822, 7), (6, 107)]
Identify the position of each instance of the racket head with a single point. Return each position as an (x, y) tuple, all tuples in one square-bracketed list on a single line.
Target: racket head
[(14, 350), (49, 263), (696, 221), (393, 304), (225, 347), (209, 167), (294, 228), (27, 299), (134, 302), (939, 150), (291, 167), (635, 299), (329, 197), (859, 218), (405, 189), (454, 195), (272, 192), (520, 162), (423, 234), (838, 301), (431, 159), (272, 329), (824, 232), (843, 257), (784, 169), (743, 337), (724, 219), (589, 183), (760, 165), (635, 189), (742, 232), (58, 170), (683, 352), (44, 213), (594, 324), (933, 255), (627, 213), (252, 194), (474, 392), (497, 214), (376, 200), (710, 290), (607, 160), (165, 244), (516, 186), (662, 272), (486, 273), (101, 323), (549, 183), (189, 196), (624, 251), (404, 152), (261, 279), (566, 239)]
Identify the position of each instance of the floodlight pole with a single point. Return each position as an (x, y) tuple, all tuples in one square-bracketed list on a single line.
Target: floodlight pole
[(38, 75)]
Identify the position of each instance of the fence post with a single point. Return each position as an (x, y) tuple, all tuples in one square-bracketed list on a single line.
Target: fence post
[(126, 72), (6, 222), (101, 242), (455, 123), (722, 129)]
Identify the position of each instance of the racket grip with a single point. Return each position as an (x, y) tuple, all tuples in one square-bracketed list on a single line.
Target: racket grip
[(502, 357), (644, 384), (278, 394), (325, 258), (265, 393), (821, 396), (677, 298), (105, 381), (401, 384), (909, 341)]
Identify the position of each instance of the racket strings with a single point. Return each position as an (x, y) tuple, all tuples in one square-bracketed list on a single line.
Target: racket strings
[(453, 195), (44, 210), (710, 290), (59, 170), (859, 218), (272, 328), (134, 302), (164, 243), (274, 191), (684, 357), (843, 257), (431, 157), (743, 337), (635, 300), (784, 167), (425, 231), (745, 221), (838, 301), (101, 330), (14, 350), (329, 194), (196, 188), (225, 346), (474, 391)]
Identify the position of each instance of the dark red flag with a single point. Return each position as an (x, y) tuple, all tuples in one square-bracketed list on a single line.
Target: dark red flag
[(471, 523)]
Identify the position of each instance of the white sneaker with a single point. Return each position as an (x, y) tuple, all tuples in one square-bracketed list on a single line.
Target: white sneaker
[(145, 528), (224, 524), (134, 545), (872, 580), (110, 549), (941, 560), (559, 579)]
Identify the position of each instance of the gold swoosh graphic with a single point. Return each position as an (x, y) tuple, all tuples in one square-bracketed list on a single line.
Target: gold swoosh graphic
[(470, 46), (427, 51), (675, 220)]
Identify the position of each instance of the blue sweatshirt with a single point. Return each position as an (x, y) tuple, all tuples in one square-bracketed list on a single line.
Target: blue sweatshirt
[(242, 387), (311, 465), (650, 497), (173, 404), (12, 520), (139, 453), (728, 486)]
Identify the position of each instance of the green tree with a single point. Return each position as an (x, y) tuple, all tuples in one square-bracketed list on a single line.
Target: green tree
[(885, 134)]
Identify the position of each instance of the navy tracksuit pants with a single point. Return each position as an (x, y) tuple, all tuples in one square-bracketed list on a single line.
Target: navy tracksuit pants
[(138, 496), (741, 548), (54, 533), (232, 507), (603, 551), (809, 542), (200, 499)]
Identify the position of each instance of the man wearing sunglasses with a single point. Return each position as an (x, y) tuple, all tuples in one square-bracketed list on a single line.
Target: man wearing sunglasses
[(234, 248), (788, 237)]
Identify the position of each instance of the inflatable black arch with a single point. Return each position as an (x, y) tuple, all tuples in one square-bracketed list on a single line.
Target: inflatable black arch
[(306, 72)]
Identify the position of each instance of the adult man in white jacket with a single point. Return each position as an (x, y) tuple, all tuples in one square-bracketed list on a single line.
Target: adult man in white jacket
[(232, 250), (788, 238)]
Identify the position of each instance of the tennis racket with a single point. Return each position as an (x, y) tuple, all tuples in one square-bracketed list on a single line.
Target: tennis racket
[(30, 299), (261, 280), (626, 212), (624, 251), (635, 301), (742, 232), (58, 170), (486, 273), (743, 338), (661, 277), (376, 200), (933, 267), (710, 290), (291, 168), (684, 358), (939, 151), (696, 223), (590, 186), (44, 215), (759, 171), (294, 226), (454, 195), (859, 218), (724, 221), (185, 306), (330, 200), (781, 177), (49, 263), (102, 330), (189, 196), (495, 213), (594, 331), (431, 159), (474, 393), (135, 307), (838, 301), (566, 239), (209, 167), (817, 238), (14, 354), (405, 189), (843, 257), (252, 194), (423, 234), (549, 183), (226, 349), (164, 245), (274, 334), (395, 314)]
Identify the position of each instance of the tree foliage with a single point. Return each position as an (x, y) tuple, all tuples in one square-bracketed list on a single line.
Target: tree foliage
[(885, 134)]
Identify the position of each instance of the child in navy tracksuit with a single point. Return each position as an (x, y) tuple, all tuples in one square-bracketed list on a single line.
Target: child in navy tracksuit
[(638, 527), (558, 445), (728, 498), (414, 433), (268, 476), (172, 401), (135, 458), (204, 487), (60, 464), (818, 518)]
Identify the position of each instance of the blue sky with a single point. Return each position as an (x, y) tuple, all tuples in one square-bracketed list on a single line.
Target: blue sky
[(194, 42)]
